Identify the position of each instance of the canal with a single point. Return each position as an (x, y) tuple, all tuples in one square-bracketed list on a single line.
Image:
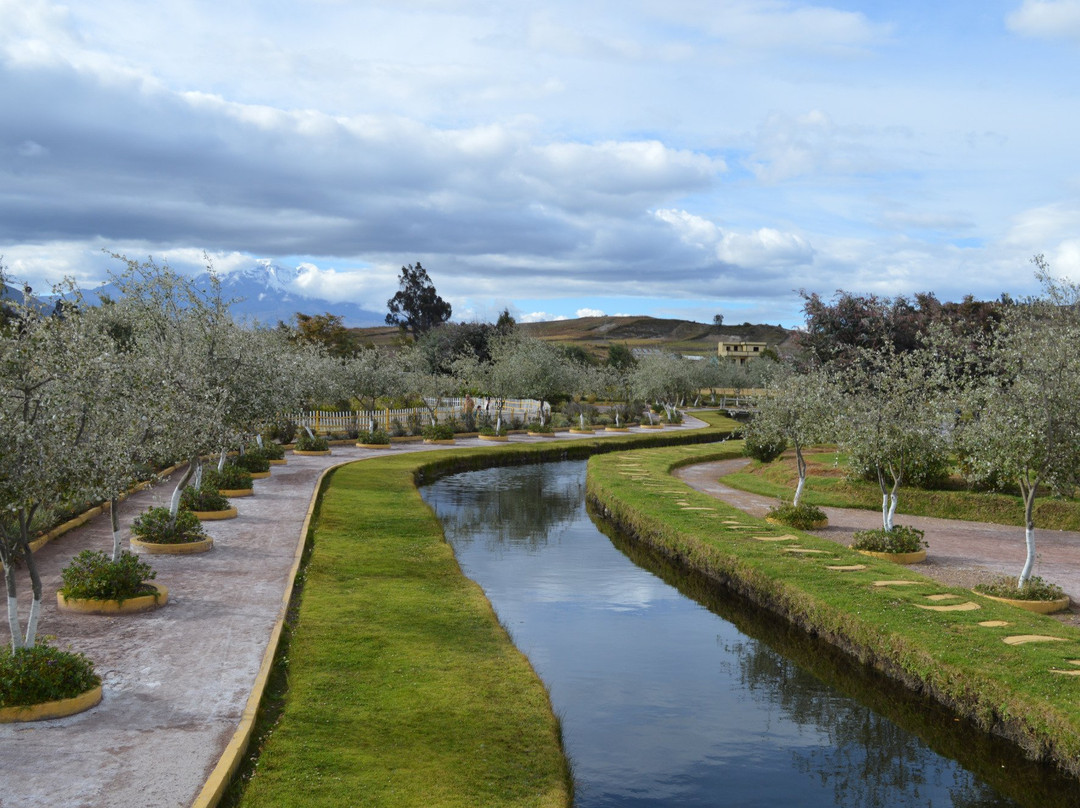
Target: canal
[(671, 693)]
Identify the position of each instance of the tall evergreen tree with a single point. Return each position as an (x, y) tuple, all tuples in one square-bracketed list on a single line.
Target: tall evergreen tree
[(417, 307)]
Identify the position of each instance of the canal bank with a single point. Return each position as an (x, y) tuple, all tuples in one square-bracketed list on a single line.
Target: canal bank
[(1010, 672)]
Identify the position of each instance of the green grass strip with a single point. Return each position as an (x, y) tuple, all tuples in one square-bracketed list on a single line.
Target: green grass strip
[(1008, 689), (778, 479), (403, 689)]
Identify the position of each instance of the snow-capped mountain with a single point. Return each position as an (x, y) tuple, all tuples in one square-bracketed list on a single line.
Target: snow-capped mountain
[(268, 293)]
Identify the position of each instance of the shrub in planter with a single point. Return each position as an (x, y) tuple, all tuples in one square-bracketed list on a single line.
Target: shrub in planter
[(204, 498), (541, 429), (270, 450), (253, 460), (1034, 588), (306, 443), (801, 517), (41, 673), (676, 417), (763, 448), (153, 527), (491, 432), (230, 478), (901, 539), (377, 437), (438, 432), (93, 575), (397, 429)]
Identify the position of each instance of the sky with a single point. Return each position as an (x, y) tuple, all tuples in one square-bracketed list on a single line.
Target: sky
[(676, 158)]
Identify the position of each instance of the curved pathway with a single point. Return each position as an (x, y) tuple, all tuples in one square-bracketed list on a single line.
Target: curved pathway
[(176, 680), (959, 553)]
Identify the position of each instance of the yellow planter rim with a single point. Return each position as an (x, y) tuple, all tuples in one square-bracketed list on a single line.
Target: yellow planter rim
[(187, 548), (52, 709), (142, 603)]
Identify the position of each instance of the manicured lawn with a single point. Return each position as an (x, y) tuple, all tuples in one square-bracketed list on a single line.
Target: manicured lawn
[(1011, 688), (826, 486)]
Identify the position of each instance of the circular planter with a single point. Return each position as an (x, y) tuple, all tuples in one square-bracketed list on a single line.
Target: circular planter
[(259, 475), (498, 438), (373, 446), (186, 548), (541, 434), (897, 558), (303, 453), (652, 426), (142, 603), (52, 709), (235, 493), (576, 430), (213, 516), (281, 462), (617, 429), (818, 525), (1037, 606), (439, 441)]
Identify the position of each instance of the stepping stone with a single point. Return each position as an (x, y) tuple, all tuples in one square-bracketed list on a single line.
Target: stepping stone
[(994, 623), (804, 550), (1074, 671), (775, 538), (955, 607), (895, 583), (942, 597), (847, 568), (698, 508), (1023, 639)]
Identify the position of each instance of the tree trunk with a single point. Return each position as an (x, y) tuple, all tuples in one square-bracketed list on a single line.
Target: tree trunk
[(35, 578), (800, 462), (12, 606), (1029, 532), (114, 520), (884, 499), (174, 503), (221, 461)]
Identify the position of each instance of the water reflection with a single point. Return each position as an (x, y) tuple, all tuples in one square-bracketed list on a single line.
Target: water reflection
[(664, 703)]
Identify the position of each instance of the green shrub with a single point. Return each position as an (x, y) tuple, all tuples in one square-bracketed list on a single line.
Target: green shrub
[(271, 450), (93, 575), (204, 498), (676, 417), (378, 437), (253, 460), (282, 431), (926, 467), (801, 517), (492, 432), (230, 478), (901, 539), (438, 432), (543, 429), (307, 443), (153, 526), (41, 673), (762, 447), (1034, 588)]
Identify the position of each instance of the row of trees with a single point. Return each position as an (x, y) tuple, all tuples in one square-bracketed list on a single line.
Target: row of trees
[(992, 389)]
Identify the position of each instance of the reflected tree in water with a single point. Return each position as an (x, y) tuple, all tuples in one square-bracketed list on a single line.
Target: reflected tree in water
[(511, 506)]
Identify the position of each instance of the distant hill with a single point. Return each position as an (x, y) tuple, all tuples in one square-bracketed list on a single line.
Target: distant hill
[(594, 334), (268, 293)]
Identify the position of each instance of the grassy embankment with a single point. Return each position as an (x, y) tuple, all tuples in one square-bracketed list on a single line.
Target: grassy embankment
[(1010, 689), (828, 486), (402, 688)]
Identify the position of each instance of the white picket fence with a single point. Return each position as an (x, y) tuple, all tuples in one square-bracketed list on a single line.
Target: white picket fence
[(327, 421)]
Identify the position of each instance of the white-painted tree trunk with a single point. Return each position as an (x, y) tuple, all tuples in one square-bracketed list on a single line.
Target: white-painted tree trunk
[(892, 512), (1029, 533), (221, 461), (498, 425), (799, 490), (174, 503), (32, 622), (13, 621), (114, 520), (258, 441)]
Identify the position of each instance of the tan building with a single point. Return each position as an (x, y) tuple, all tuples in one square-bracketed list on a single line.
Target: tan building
[(739, 350)]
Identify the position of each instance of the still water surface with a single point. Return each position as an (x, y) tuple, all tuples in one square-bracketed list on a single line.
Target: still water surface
[(666, 703)]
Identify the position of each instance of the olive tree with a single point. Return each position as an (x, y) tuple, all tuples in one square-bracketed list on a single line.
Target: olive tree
[(49, 389), (892, 416), (663, 378), (370, 374), (1022, 421), (797, 408)]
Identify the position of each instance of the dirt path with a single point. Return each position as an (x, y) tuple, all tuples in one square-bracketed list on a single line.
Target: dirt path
[(176, 680), (959, 553)]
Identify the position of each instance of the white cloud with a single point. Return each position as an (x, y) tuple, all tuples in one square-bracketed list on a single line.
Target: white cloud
[(1049, 19), (590, 313), (540, 317)]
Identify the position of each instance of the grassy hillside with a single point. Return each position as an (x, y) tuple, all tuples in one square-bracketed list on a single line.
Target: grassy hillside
[(595, 333)]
